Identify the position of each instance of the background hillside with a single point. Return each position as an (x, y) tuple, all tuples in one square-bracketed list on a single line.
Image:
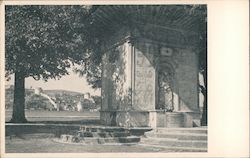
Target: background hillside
[(60, 92), (67, 100)]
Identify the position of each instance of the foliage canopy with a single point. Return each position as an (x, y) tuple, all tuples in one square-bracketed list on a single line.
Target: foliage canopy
[(43, 41)]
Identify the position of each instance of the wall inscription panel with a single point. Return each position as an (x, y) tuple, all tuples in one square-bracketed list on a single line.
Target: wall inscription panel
[(144, 92)]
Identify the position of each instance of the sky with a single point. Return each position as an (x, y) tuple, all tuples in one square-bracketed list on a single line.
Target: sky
[(71, 82)]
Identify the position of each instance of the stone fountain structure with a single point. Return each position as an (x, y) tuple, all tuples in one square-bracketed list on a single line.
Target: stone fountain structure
[(150, 66)]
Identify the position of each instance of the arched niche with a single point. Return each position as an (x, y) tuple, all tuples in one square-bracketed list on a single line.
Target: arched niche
[(166, 88)]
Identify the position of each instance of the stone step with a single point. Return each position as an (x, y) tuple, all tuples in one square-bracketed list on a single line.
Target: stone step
[(182, 130), (98, 140), (110, 134), (103, 134), (129, 139), (102, 129), (179, 136), (180, 149), (175, 142), (139, 130), (85, 140)]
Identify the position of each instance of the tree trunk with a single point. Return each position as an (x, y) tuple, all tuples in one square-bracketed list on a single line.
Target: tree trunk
[(204, 92), (18, 114)]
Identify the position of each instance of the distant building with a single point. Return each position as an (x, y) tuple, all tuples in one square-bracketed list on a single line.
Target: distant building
[(9, 86), (86, 96), (38, 90), (79, 107)]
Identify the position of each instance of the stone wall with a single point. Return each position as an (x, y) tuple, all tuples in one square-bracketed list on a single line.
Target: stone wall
[(144, 77), (131, 67), (187, 79), (116, 78), (116, 85)]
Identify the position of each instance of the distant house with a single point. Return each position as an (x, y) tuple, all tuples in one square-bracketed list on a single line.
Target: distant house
[(38, 90), (9, 86), (86, 96), (9, 96)]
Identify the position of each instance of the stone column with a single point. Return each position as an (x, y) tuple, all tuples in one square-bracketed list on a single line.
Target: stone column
[(128, 86), (116, 85), (144, 90)]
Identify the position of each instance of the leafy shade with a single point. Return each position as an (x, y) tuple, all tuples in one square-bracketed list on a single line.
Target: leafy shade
[(43, 41)]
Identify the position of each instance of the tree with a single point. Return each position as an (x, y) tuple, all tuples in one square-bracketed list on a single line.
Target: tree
[(201, 11), (42, 42), (97, 100)]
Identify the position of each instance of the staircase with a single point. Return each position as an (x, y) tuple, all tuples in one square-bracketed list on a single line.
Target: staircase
[(104, 135), (185, 139)]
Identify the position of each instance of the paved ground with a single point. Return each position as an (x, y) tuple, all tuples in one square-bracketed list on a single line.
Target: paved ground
[(47, 145)]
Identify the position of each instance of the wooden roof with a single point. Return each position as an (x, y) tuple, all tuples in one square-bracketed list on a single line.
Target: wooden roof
[(184, 18)]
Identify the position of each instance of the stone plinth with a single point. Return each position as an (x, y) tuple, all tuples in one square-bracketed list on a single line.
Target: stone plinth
[(177, 119), (128, 118)]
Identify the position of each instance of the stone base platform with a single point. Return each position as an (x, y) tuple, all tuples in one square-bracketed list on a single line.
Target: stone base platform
[(194, 138), (133, 118), (98, 140), (153, 119), (80, 133), (25, 128), (103, 135), (177, 119)]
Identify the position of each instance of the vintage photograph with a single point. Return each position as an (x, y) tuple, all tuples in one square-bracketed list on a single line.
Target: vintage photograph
[(106, 78)]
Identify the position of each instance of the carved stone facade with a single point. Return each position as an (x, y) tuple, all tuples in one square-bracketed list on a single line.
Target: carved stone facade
[(152, 79)]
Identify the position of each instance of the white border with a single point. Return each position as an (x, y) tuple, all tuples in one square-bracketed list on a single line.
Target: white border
[(228, 79)]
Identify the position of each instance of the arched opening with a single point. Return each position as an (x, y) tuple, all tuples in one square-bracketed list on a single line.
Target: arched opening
[(166, 88)]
